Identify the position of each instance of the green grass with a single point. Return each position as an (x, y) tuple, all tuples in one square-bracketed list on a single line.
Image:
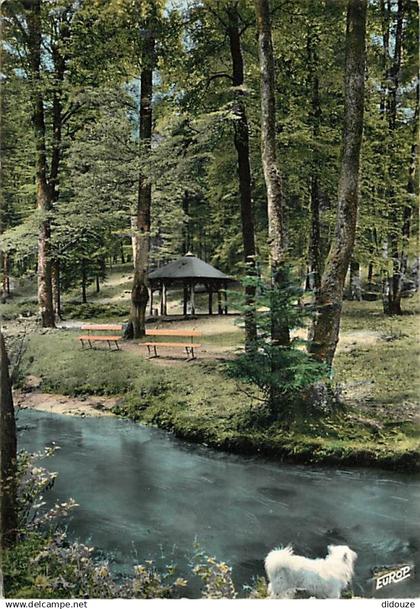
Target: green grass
[(224, 339), (13, 309), (95, 311), (197, 401), (65, 368), (368, 316)]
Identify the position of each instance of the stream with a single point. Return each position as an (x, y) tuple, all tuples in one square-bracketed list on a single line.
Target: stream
[(143, 494)]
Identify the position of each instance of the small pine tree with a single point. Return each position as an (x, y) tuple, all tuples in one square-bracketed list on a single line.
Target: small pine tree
[(282, 373)]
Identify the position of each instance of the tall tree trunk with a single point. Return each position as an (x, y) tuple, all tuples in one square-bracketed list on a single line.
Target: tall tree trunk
[(411, 189), (326, 324), (241, 140), (56, 283), (83, 280), (276, 225), (140, 221), (186, 226), (315, 194), (8, 513), (45, 298), (56, 154), (393, 283), (44, 192), (370, 274), (6, 274), (355, 282), (385, 10)]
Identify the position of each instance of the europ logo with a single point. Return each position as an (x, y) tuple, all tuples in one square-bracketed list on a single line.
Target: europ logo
[(394, 575)]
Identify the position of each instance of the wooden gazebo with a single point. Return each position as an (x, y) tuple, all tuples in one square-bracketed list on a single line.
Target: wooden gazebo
[(188, 272)]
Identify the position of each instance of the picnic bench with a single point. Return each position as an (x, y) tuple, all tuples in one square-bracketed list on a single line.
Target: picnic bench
[(92, 338), (188, 346)]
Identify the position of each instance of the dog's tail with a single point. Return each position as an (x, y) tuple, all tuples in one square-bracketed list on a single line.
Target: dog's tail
[(276, 557)]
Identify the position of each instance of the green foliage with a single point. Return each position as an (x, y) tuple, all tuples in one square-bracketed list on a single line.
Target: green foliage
[(193, 164), (44, 565), (18, 568), (215, 575)]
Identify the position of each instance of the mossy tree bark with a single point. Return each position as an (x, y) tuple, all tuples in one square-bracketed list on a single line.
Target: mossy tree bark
[(8, 515), (325, 330), (241, 141), (140, 220), (280, 334)]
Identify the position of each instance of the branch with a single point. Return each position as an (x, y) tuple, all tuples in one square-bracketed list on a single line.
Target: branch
[(71, 111), (249, 394), (279, 7), (218, 17), (246, 24), (20, 27), (218, 75)]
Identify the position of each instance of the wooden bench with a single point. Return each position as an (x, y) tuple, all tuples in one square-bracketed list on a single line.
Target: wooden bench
[(188, 346), (92, 338)]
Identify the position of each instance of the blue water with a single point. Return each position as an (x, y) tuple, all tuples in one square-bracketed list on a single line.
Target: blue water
[(144, 494)]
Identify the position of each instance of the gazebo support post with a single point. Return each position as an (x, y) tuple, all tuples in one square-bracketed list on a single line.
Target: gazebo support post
[(151, 300), (219, 302), (165, 301), (210, 300), (192, 299), (225, 297), (185, 299), (161, 298)]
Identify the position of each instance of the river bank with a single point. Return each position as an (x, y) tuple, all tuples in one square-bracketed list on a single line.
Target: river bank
[(281, 445), (56, 403), (378, 425)]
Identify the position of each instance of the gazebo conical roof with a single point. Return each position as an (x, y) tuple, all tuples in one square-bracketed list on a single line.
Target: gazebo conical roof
[(189, 267)]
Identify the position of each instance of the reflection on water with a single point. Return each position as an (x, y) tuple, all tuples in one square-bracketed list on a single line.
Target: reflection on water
[(143, 494)]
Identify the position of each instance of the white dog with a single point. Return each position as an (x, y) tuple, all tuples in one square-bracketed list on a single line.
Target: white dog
[(321, 577)]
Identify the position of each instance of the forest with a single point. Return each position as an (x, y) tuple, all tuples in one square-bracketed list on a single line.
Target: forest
[(233, 179)]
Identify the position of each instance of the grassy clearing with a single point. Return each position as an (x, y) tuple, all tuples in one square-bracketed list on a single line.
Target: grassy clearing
[(383, 371), (198, 402)]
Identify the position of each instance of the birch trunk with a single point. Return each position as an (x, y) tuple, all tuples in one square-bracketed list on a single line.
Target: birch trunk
[(325, 330)]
